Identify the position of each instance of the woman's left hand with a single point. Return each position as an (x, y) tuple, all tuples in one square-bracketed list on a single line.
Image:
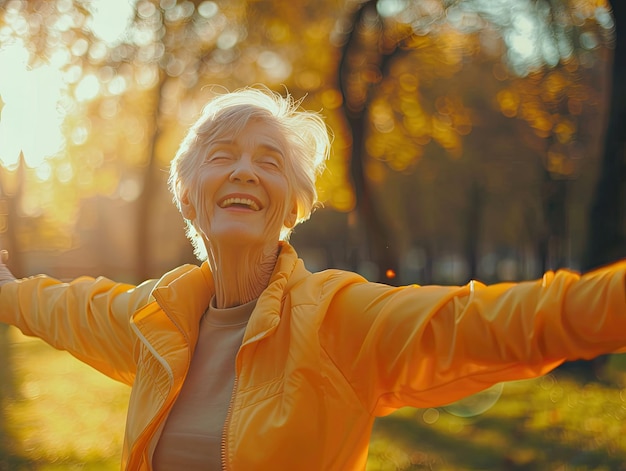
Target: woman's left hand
[(5, 274)]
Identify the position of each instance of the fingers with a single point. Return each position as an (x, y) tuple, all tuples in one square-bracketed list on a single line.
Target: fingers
[(5, 273)]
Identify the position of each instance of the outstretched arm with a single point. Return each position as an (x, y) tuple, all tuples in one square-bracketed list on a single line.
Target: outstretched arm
[(89, 318), (427, 346)]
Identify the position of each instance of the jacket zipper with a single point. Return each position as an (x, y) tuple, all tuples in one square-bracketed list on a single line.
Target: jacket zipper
[(229, 413), (224, 448)]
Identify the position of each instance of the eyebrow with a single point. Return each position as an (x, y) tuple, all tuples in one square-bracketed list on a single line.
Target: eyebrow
[(266, 146)]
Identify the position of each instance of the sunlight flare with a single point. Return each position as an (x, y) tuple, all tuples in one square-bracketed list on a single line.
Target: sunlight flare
[(30, 117), (111, 18)]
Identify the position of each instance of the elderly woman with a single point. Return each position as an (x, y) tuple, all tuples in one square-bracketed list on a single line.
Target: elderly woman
[(251, 362)]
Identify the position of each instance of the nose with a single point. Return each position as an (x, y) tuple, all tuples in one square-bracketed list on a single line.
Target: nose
[(243, 171)]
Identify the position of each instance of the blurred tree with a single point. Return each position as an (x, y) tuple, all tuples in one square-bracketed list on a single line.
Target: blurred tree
[(607, 222), (364, 60), (11, 187), (414, 115), (539, 51), (606, 241)]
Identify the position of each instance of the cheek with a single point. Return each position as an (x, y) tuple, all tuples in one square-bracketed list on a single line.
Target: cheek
[(281, 195), (277, 216)]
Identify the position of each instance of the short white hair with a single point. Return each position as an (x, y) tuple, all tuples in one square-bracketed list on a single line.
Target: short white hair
[(305, 132)]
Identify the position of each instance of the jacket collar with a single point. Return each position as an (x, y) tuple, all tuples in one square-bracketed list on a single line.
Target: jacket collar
[(184, 295), (289, 270), (169, 324)]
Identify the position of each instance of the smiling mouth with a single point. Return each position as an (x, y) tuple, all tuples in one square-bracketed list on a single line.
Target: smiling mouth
[(240, 203)]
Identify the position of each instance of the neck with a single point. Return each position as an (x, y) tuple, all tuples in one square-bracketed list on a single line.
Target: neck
[(241, 273)]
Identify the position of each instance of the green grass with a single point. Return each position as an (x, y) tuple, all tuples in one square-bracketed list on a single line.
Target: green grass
[(62, 415), (552, 423), (58, 414)]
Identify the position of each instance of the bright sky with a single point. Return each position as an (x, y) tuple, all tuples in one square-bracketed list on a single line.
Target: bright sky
[(30, 113), (30, 119)]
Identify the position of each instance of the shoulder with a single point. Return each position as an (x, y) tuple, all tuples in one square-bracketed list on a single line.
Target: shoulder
[(313, 288), (185, 278), (182, 272)]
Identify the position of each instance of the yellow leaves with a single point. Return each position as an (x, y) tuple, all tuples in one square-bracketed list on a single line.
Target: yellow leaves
[(548, 101), (389, 141), (382, 117), (565, 130), (403, 157), (554, 85), (277, 31), (446, 136), (331, 99), (587, 8), (457, 45), (308, 80), (376, 147), (288, 42), (402, 126), (509, 102), (418, 126), (440, 55), (415, 119), (333, 186), (408, 83), (451, 109), (559, 164), (538, 118)]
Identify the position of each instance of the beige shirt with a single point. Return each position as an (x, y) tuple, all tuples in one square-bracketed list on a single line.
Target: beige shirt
[(192, 436)]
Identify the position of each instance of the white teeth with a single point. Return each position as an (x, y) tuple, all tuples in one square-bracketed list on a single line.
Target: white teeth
[(244, 201)]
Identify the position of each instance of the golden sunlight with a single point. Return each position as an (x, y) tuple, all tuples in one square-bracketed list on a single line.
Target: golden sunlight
[(110, 18), (31, 114), (30, 118)]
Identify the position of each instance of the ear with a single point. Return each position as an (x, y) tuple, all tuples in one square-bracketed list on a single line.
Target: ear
[(292, 216), (186, 207)]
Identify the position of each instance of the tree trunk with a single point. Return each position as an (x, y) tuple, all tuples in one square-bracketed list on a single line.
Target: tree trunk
[(606, 240), (554, 244), (377, 245), (473, 224), (144, 203), (607, 220)]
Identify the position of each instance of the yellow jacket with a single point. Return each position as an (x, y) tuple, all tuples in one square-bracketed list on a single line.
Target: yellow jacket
[(323, 354)]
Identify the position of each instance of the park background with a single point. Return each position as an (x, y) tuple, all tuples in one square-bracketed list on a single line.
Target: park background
[(471, 140)]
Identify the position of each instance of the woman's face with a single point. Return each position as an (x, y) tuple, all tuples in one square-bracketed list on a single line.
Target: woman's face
[(242, 192)]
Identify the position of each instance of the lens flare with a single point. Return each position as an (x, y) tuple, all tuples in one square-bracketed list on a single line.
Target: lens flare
[(476, 404)]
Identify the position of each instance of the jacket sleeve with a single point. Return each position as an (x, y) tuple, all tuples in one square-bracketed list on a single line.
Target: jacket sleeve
[(90, 318), (430, 346)]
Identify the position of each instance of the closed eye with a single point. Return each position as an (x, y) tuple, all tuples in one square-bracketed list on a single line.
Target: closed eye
[(219, 156), (272, 162), (271, 159)]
